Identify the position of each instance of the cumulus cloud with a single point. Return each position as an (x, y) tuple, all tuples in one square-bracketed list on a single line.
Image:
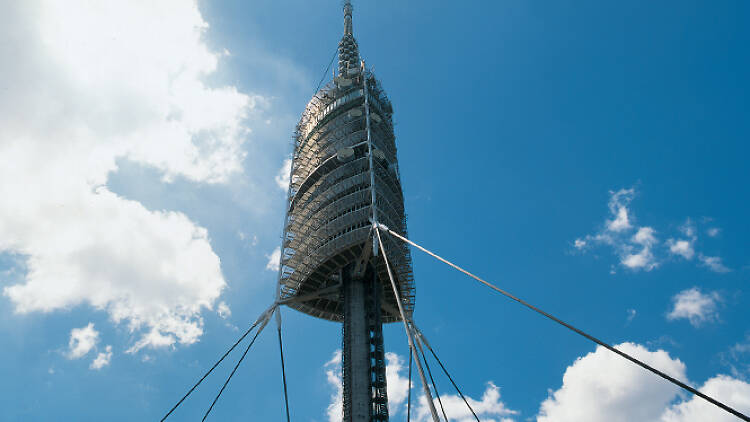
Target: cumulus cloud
[(102, 359), (282, 177), (603, 386), (274, 260), (91, 84), (713, 231), (732, 392), (638, 248), (695, 306), (82, 340), (490, 408), (335, 409), (397, 381)]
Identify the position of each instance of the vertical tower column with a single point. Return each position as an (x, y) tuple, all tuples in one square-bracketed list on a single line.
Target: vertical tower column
[(363, 361)]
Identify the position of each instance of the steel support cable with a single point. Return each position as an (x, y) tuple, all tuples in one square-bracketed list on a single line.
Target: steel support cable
[(423, 339), (283, 369), (326, 71), (229, 378), (572, 328), (258, 321), (432, 380), (409, 335), (408, 400)]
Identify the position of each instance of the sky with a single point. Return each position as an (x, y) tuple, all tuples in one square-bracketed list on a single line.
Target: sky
[(589, 157)]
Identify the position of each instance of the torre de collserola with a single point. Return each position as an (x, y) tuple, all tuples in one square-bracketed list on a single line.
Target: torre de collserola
[(344, 177)]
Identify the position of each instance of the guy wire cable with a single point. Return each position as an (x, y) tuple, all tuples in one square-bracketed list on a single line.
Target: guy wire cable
[(423, 339), (570, 327), (432, 380), (408, 400), (409, 334), (283, 370), (247, 349), (218, 362), (326, 71)]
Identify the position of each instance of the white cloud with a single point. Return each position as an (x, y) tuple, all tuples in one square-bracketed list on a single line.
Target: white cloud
[(93, 83), (688, 228), (643, 259), (274, 260), (333, 376), (631, 315), (82, 340), (282, 177), (737, 359), (621, 221), (102, 359), (713, 231), (397, 381), (487, 409), (635, 251), (681, 247), (732, 392), (223, 310), (642, 250), (713, 263), (645, 236), (618, 207), (602, 386), (695, 306), (684, 247)]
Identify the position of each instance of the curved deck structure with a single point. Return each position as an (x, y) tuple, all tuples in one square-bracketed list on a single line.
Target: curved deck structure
[(330, 197)]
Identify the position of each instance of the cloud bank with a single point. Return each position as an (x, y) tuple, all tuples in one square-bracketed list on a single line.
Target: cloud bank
[(93, 83), (602, 386)]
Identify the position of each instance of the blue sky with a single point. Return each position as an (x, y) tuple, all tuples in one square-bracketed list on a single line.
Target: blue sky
[(587, 156)]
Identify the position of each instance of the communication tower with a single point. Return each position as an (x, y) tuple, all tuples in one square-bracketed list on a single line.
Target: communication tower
[(344, 177)]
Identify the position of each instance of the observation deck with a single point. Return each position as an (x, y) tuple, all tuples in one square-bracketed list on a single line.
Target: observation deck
[(330, 202)]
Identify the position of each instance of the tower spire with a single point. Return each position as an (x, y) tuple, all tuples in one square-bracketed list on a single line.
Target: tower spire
[(347, 17), (348, 49)]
